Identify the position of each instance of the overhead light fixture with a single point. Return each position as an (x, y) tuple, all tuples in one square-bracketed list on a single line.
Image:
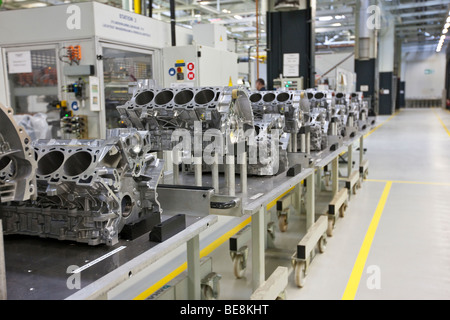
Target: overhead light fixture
[(238, 17), (326, 18), (337, 24)]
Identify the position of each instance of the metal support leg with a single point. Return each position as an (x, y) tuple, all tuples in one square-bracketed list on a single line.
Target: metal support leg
[(302, 142), (175, 167), (308, 143), (335, 176), (198, 171), (2, 266), (231, 175), (310, 204), (193, 266), (294, 145), (258, 256), (215, 173), (319, 179), (244, 173), (350, 160), (361, 150)]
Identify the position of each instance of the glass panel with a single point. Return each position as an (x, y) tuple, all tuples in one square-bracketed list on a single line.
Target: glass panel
[(121, 67), (32, 92)]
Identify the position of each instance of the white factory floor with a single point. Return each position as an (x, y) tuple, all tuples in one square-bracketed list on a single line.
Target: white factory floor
[(394, 241)]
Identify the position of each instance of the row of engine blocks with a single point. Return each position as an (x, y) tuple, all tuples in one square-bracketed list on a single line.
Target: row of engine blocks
[(93, 191)]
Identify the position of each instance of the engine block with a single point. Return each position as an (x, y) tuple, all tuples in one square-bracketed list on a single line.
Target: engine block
[(89, 190), (17, 162), (162, 111)]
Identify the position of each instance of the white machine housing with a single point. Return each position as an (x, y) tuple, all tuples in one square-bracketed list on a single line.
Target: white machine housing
[(94, 27), (200, 65)]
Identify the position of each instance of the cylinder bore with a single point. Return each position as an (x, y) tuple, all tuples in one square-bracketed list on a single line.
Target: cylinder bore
[(144, 97), (50, 162), (283, 97), (127, 206), (319, 95), (255, 97), (269, 97), (204, 96), (164, 97), (339, 95), (77, 163), (184, 97)]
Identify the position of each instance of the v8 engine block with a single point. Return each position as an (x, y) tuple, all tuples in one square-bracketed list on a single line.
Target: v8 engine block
[(17, 163), (162, 111), (89, 190)]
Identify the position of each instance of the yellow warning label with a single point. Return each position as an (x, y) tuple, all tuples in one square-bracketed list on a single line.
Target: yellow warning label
[(221, 38)]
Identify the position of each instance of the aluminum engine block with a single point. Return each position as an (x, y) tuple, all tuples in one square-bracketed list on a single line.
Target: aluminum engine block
[(162, 111), (318, 119), (89, 190), (17, 162)]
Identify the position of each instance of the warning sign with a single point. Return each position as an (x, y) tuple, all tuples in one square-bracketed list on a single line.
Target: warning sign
[(190, 66), (191, 76)]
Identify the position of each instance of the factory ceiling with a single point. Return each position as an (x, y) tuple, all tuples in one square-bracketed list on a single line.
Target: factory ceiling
[(418, 23)]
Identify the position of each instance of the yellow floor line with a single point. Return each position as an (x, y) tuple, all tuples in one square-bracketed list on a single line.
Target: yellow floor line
[(442, 123), (358, 268), (410, 182), (203, 253)]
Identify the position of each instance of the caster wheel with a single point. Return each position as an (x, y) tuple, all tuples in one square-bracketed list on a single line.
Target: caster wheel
[(239, 269), (322, 244), (342, 210), (330, 227), (207, 293), (282, 223), (300, 273)]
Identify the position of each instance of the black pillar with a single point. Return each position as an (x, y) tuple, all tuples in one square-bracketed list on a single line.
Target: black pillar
[(291, 32)]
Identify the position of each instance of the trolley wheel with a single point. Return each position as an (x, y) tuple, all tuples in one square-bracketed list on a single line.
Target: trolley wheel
[(282, 223), (330, 227), (207, 293), (342, 209), (322, 244), (300, 273), (239, 269)]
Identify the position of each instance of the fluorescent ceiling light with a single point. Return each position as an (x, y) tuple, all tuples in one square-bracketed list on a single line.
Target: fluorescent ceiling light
[(238, 17), (327, 18), (35, 5), (336, 24)]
